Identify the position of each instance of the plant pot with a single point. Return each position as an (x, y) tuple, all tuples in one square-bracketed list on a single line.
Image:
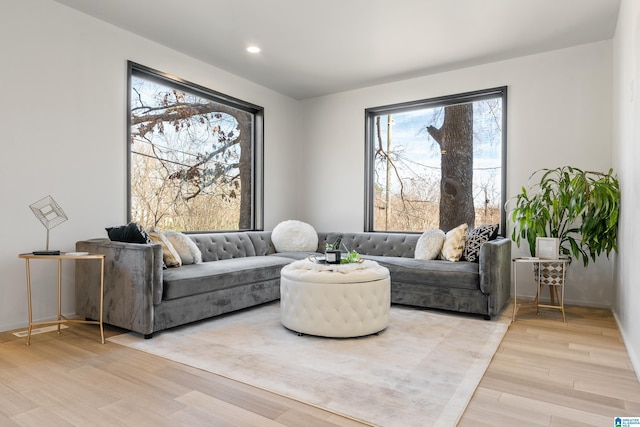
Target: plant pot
[(332, 256), (549, 273)]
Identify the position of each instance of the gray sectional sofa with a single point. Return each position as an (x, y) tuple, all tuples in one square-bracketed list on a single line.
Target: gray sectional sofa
[(242, 269)]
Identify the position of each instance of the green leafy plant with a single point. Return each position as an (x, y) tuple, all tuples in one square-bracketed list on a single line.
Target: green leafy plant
[(333, 246), (580, 208), (350, 257)]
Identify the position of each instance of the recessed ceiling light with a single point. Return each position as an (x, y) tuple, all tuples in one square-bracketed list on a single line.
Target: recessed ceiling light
[(253, 49)]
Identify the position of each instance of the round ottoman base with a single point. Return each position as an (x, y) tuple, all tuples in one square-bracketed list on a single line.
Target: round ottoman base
[(335, 304)]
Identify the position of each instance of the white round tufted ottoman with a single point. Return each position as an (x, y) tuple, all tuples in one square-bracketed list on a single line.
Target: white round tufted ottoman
[(347, 300)]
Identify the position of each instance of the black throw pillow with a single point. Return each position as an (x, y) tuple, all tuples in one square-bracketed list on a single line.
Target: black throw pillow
[(130, 233)]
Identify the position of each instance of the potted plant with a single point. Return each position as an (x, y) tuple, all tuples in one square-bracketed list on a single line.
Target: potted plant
[(580, 208), (334, 255)]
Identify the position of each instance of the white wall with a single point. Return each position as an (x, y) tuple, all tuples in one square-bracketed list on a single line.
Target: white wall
[(63, 121), (63, 118), (559, 113), (626, 148)]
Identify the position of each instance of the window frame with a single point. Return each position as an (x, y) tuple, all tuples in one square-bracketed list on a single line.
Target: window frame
[(441, 101), (257, 139)]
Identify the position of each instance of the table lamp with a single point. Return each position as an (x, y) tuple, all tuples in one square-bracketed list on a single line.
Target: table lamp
[(50, 215)]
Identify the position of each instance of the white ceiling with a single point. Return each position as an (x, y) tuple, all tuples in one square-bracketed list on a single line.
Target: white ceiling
[(318, 47)]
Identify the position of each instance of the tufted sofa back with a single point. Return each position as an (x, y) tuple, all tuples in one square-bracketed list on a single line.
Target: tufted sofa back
[(217, 246), (377, 244), (237, 244)]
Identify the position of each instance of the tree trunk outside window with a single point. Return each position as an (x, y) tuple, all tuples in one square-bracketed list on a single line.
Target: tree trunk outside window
[(455, 138)]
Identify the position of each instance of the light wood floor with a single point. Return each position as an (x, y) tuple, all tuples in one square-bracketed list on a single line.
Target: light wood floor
[(545, 373)]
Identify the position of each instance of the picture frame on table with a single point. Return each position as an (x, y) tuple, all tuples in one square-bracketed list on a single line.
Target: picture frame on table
[(547, 247)]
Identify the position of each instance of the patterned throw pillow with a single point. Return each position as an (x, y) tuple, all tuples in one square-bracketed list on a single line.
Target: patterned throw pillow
[(429, 244), (454, 243), (476, 238), (170, 256)]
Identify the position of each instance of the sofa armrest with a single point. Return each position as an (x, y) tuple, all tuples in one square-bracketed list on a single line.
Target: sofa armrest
[(132, 283), (495, 273)]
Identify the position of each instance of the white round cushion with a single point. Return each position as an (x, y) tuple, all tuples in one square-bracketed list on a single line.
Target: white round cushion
[(294, 236), (338, 301)]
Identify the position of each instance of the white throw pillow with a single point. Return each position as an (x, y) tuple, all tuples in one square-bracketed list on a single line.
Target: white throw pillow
[(454, 243), (429, 244), (186, 248), (294, 236)]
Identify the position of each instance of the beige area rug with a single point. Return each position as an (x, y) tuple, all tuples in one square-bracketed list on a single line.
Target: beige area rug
[(421, 371)]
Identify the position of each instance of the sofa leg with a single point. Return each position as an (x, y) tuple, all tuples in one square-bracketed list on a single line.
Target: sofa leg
[(486, 317), (148, 336)]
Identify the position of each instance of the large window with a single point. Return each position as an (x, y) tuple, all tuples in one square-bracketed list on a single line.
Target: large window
[(437, 163), (195, 156)]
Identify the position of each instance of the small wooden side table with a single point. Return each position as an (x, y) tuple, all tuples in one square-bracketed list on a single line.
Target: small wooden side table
[(539, 284), (62, 319)]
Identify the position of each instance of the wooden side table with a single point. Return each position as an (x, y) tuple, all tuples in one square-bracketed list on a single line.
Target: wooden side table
[(563, 262), (62, 319)]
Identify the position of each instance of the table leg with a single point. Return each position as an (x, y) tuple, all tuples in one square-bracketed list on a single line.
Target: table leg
[(101, 298), (539, 289), (564, 276), (59, 292), (29, 302), (515, 290)]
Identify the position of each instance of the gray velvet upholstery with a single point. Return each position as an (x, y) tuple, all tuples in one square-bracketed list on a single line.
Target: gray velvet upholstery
[(227, 273), (380, 244), (132, 286), (460, 275), (215, 247), (242, 269)]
